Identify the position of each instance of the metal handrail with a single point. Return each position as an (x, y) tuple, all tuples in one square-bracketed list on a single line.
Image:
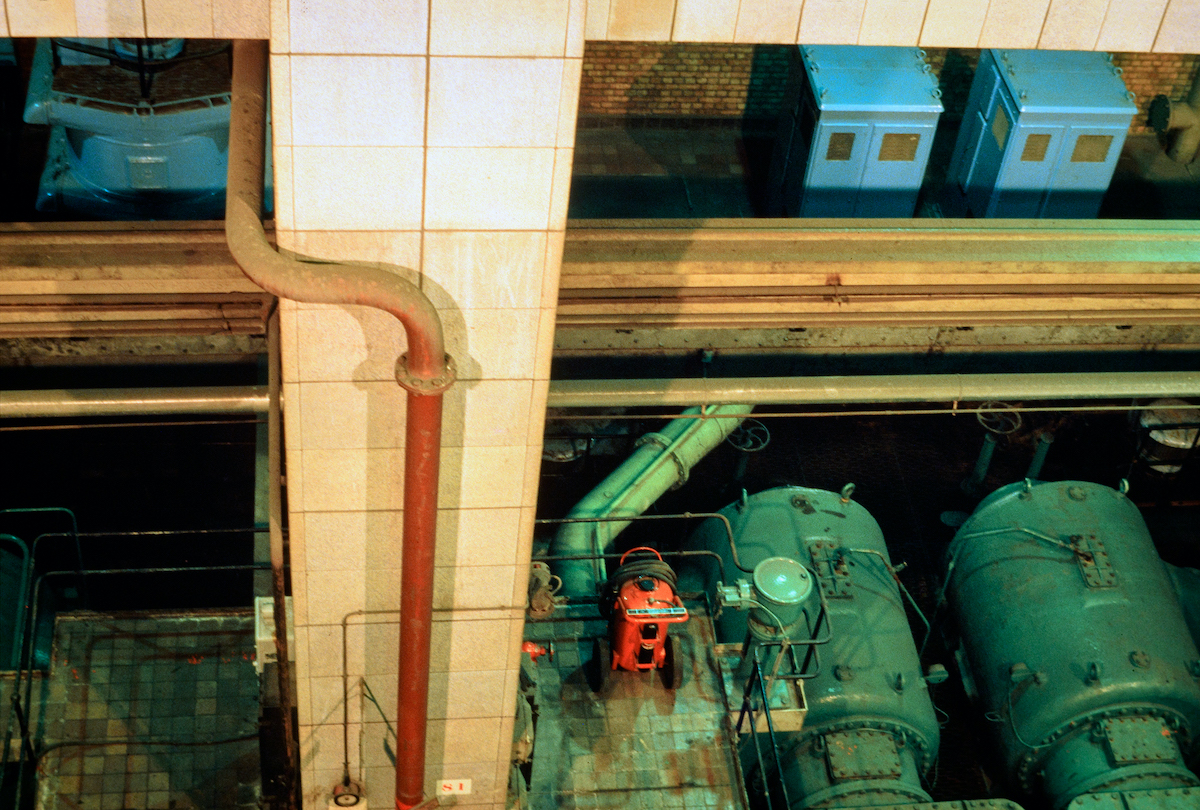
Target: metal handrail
[(756, 680), (26, 627)]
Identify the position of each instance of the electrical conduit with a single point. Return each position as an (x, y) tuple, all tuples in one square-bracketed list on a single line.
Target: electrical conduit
[(661, 462), (425, 372)]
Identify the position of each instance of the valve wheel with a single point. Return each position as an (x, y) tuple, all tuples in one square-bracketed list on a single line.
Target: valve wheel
[(750, 437), (999, 418)]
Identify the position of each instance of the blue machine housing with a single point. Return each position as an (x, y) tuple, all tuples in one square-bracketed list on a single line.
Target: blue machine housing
[(871, 732), (1040, 136), (1074, 641), (856, 141)]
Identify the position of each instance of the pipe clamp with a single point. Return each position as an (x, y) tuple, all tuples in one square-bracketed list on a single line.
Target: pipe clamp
[(423, 385)]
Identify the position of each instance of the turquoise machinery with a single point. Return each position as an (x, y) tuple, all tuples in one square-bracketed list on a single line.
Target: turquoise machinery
[(815, 601), (1074, 642)]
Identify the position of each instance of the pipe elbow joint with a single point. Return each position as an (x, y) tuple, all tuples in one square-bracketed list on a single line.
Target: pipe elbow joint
[(425, 385)]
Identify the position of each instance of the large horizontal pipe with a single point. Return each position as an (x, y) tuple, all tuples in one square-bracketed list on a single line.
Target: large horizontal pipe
[(873, 389), (133, 402)]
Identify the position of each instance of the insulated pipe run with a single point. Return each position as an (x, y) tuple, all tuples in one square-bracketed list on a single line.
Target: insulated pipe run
[(661, 462), (425, 372)]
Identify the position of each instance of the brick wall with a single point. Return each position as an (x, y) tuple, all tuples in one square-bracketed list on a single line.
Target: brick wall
[(701, 81)]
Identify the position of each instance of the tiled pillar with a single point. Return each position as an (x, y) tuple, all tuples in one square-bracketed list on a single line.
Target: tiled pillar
[(437, 136)]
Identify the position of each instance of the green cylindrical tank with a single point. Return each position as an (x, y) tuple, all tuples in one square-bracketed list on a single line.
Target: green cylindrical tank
[(1074, 641), (870, 732)]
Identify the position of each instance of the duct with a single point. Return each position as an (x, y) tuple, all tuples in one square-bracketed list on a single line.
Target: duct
[(86, 402), (661, 462), (425, 372), (1184, 116), (873, 389)]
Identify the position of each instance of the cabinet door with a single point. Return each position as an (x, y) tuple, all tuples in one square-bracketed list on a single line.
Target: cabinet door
[(893, 170), (835, 168), (1021, 191), (1083, 171)]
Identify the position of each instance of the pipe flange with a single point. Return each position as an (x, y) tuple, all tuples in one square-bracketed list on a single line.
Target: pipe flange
[(422, 385)]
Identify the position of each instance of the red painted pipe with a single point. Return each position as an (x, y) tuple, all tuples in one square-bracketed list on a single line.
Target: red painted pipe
[(425, 372)]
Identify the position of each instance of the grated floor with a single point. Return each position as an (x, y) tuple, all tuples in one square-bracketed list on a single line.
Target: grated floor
[(635, 744), (151, 713)]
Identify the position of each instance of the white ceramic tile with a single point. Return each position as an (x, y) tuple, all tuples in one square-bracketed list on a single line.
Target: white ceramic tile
[(336, 541), (295, 478), (289, 359), (327, 700), (1014, 24), (341, 415), (533, 474), (3, 20), (1180, 30), (376, 26), (768, 21), (41, 18), (831, 21), (348, 343), (109, 18), (304, 700), (568, 102), (330, 598), (299, 582), (285, 199), (494, 102), (953, 23), (469, 646), (468, 694), (384, 539), (293, 430), (322, 748), (537, 413), (382, 644), (473, 189), (576, 27), (484, 270), (358, 100), (555, 244), (474, 739), (1131, 25), (560, 191), (357, 188), (641, 20), (398, 252), (179, 18), (596, 26), (544, 345), (356, 646), (241, 19), (516, 634), (1073, 25), (317, 785), (297, 551), (478, 536), (353, 480), (324, 650), (492, 344), (470, 589), (479, 477), (486, 413), (281, 40), (892, 22), (281, 99), (704, 20), (498, 27)]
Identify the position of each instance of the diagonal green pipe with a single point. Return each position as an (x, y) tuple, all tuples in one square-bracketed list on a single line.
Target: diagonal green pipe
[(661, 462)]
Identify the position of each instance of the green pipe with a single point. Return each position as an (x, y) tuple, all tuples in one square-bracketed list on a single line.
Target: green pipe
[(661, 462)]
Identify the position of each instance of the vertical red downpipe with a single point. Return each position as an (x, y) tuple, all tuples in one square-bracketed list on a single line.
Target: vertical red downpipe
[(422, 451), (425, 372)]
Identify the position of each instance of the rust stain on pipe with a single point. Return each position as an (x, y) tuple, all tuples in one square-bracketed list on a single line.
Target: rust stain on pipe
[(425, 372)]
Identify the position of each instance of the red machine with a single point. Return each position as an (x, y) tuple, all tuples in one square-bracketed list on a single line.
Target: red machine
[(640, 602)]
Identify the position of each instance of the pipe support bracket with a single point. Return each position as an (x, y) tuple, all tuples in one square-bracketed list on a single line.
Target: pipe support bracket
[(425, 386)]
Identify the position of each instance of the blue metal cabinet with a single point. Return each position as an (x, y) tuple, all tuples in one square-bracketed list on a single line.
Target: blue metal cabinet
[(857, 139), (1040, 136)]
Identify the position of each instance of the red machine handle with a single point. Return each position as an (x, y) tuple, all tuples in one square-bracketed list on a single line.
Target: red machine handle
[(639, 548)]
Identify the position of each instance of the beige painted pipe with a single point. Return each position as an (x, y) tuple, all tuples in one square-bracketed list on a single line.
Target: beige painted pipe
[(85, 402), (883, 388)]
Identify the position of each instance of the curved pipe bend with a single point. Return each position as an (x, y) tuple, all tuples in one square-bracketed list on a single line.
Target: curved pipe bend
[(425, 371)]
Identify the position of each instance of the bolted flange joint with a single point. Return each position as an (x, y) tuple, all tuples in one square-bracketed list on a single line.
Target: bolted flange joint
[(425, 385)]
